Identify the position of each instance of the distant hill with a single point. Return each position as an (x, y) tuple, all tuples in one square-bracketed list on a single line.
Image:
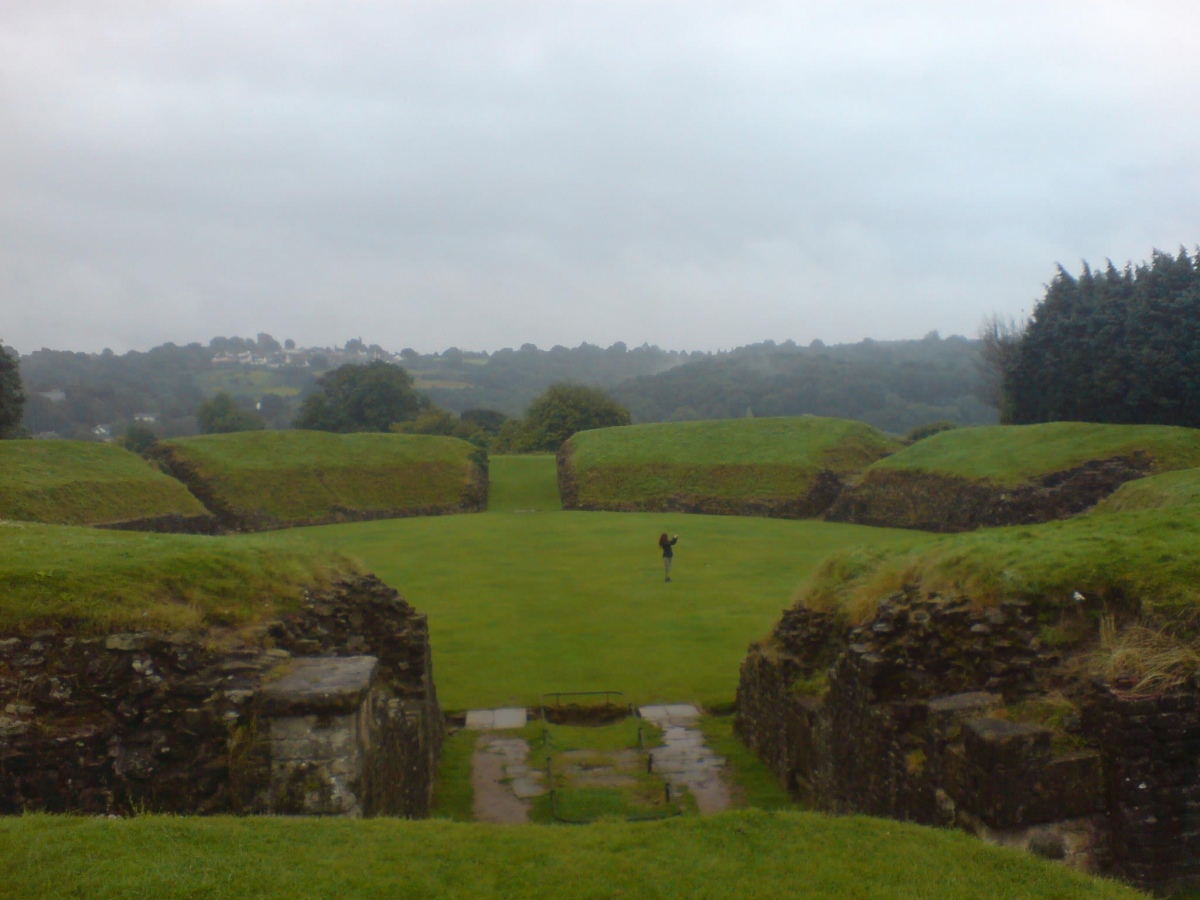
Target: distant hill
[(893, 385)]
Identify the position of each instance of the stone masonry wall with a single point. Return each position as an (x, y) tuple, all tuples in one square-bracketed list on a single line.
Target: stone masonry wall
[(176, 723), (914, 723)]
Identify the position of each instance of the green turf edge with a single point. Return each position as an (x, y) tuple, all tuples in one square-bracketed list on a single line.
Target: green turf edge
[(99, 581), (749, 853), (751, 783), (1010, 454), (453, 792), (85, 483)]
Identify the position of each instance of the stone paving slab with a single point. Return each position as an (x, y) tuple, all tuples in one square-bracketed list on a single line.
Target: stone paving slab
[(685, 760), (489, 719), (683, 712)]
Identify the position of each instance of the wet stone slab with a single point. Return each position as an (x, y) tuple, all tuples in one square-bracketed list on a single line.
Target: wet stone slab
[(685, 760), (496, 719)]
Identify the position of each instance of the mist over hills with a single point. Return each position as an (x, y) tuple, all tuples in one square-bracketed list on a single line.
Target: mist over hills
[(894, 385)]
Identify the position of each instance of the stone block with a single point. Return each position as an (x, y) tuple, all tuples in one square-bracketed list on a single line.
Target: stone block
[(999, 743), (320, 686)]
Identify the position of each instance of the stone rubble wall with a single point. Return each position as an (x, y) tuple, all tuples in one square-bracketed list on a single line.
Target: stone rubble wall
[(171, 722), (169, 524), (930, 501), (912, 724)]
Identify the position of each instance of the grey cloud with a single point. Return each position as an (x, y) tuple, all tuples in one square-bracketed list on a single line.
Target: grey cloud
[(483, 174)]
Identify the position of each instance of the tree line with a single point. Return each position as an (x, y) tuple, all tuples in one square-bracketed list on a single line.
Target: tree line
[(1109, 345)]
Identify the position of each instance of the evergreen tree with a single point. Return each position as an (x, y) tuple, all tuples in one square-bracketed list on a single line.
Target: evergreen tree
[(1119, 346), (12, 396)]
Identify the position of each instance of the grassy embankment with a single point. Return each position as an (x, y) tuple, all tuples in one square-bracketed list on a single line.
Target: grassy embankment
[(721, 464), (273, 479), (525, 602), (85, 483), (95, 581), (740, 854), (1138, 550), (1010, 454)]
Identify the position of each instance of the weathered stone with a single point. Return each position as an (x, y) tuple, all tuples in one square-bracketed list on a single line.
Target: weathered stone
[(319, 686), (164, 722), (128, 642)]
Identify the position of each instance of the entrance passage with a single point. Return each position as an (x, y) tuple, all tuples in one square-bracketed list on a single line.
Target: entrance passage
[(523, 484), (593, 770)]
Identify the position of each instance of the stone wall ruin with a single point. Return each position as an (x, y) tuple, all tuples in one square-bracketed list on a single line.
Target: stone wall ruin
[(330, 709), (922, 714)]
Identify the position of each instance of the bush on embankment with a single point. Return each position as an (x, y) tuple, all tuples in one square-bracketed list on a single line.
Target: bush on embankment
[(787, 467), (86, 483), (279, 479), (1007, 474)]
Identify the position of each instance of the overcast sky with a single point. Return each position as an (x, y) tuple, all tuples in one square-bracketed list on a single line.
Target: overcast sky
[(696, 175)]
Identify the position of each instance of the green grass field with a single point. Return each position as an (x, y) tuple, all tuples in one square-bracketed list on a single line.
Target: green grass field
[(97, 581), (1141, 546), (85, 483), (288, 477), (742, 459), (521, 603), (735, 855), (1009, 454)]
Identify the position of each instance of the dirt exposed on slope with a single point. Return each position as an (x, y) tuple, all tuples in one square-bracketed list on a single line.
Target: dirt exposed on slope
[(930, 501)]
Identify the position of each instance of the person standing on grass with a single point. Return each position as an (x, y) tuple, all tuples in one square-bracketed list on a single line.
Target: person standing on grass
[(666, 544)]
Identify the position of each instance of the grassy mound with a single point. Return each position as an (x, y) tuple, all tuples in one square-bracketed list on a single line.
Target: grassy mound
[(84, 483), (96, 581), (277, 479), (1170, 492), (742, 854), (790, 467), (1139, 550), (525, 602), (1011, 474)]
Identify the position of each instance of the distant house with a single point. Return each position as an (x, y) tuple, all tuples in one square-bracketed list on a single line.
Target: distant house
[(54, 395), (102, 433), (145, 418)]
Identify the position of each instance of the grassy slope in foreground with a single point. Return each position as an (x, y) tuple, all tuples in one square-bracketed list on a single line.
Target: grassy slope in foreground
[(85, 483), (733, 459), (741, 854), (1010, 454), (102, 581), (296, 477), (521, 603), (1140, 545)]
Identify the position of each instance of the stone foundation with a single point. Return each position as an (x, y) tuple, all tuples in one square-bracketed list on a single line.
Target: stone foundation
[(931, 501), (217, 723), (917, 715)]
